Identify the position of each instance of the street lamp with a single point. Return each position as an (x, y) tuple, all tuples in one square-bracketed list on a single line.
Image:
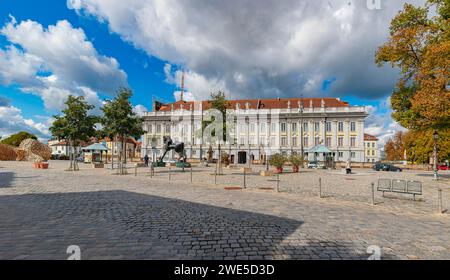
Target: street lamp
[(435, 138)]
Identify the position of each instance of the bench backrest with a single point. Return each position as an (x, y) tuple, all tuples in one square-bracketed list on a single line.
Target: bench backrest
[(400, 186), (384, 185), (414, 187)]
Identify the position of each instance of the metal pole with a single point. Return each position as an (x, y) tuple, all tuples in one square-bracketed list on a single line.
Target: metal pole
[(245, 186), (170, 173), (320, 187), (191, 174), (435, 167), (278, 183), (135, 170), (215, 177), (373, 193), (440, 201)]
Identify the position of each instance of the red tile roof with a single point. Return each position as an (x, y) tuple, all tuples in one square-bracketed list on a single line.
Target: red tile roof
[(281, 103), (368, 137)]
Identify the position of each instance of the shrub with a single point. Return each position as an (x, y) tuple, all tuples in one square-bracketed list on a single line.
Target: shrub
[(16, 139), (277, 160), (225, 158), (296, 160)]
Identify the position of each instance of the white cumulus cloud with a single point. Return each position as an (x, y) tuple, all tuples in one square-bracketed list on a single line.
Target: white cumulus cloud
[(260, 48), (56, 61)]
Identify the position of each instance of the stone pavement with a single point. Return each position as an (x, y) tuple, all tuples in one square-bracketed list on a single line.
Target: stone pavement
[(127, 217)]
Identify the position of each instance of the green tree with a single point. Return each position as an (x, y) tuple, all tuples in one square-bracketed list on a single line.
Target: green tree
[(120, 122), (419, 146), (74, 125), (419, 45), (16, 139), (218, 102)]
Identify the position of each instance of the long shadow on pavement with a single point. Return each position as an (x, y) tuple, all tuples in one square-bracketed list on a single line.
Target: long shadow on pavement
[(5, 179), (127, 225)]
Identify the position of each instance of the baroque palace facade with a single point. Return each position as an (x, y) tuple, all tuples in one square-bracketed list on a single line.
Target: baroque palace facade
[(322, 128)]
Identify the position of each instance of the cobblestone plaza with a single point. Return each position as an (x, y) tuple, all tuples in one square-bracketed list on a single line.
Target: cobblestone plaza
[(142, 217)]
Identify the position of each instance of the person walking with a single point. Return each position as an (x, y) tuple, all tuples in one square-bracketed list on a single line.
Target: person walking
[(146, 160)]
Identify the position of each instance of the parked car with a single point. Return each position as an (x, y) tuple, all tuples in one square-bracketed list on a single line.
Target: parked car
[(314, 165), (386, 167), (443, 167)]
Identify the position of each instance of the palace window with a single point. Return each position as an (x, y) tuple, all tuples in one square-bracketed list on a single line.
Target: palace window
[(294, 141), (341, 127), (283, 141), (305, 127), (328, 126), (283, 127), (294, 127), (262, 127), (328, 142), (341, 142), (316, 126), (353, 142), (305, 141), (353, 126)]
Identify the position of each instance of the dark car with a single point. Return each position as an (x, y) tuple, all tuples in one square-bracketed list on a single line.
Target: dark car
[(386, 167)]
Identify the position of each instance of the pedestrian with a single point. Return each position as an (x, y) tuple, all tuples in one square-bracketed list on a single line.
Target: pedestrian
[(348, 167), (146, 160)]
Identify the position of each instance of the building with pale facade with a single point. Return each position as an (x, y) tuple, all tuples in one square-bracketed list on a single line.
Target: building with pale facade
[(372, 151), (257, 129)]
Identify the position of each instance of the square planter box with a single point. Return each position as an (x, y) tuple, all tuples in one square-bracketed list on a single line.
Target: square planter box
[(98, 165), (266, 173), (246, 170)]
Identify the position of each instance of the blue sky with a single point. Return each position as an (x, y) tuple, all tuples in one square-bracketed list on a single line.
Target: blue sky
[(51, 48)]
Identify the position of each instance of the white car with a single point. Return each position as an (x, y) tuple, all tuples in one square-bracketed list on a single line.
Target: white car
[(314, 165)]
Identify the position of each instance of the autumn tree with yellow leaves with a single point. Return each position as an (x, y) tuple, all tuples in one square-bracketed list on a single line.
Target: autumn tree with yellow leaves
[(419, 45)]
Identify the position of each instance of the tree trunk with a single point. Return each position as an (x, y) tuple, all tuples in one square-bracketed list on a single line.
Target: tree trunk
[(123, 156), (70, 156), (112, 154)]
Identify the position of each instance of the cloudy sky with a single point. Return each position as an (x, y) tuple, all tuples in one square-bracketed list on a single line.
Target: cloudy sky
[(250, 49)]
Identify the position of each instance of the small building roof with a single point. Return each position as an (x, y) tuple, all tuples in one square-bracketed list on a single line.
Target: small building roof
[(320, 149), (95, 147), (368, 137)]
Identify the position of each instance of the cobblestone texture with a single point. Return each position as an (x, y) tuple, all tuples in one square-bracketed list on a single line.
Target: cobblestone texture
[(138, 217)]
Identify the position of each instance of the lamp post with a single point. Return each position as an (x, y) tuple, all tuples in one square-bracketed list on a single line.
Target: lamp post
[(435, 138)]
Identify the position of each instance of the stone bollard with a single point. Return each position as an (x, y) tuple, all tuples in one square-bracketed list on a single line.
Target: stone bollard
[(278, 183), (135, 170), (170, 173), (245, 186), (191, 174)]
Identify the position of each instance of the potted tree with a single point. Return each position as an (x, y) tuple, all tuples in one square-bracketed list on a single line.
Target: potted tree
[(44, 165), (225, 159), (278, 161), (296, 161)]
